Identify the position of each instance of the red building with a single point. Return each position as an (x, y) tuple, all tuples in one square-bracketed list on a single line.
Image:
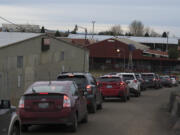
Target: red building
[(114, 53)]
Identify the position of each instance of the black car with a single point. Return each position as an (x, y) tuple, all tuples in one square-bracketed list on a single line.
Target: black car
[(9, 120), (87, 83)]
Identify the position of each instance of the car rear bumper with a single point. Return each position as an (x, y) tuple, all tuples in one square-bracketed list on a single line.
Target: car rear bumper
[(132, 90), (116, 93), (64, 116)]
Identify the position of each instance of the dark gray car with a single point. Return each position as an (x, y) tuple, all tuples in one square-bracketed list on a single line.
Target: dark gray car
[(166, 81), (152, 80), (87, 83), (9, 120)]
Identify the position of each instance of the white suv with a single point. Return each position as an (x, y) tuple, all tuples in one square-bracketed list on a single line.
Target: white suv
[(132, 81)]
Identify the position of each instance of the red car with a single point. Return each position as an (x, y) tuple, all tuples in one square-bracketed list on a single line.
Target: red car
[(55, 102), (113, 86)]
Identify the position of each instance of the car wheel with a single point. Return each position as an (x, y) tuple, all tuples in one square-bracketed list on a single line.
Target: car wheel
[(93, 108), (125, 98), (24, 128), (103, 98), (100, 106), (137, 94), (15, 130), (85, 119), (129, 97), (74, 124)]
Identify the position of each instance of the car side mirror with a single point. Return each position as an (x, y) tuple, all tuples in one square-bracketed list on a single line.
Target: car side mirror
[(5, 104)]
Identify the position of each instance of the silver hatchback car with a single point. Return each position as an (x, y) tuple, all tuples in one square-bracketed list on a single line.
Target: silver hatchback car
[(10, 123)]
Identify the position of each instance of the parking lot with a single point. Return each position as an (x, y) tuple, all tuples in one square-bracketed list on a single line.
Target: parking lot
[(146, 115)]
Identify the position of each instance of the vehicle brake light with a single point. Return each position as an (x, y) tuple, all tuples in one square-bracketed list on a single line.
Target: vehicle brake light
[(98, 83), (21, 103), (66, 102), (109, 76), (70, 75), (44, 93), (121, 83), (89, 89), (135, 81)]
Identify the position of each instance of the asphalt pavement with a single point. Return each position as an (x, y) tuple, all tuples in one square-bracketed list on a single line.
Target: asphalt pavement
[(145, 115)]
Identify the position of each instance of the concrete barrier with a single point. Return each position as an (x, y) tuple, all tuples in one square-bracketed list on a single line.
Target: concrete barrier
[(174, 109)]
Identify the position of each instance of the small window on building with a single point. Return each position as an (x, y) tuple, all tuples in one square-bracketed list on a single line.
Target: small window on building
[(0, 81), (19, 81), (45, 45), (62, 56), (19, 61)]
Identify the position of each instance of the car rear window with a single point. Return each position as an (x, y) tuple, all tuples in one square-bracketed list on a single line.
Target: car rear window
[(128, 77), (148, 76), (138, 77), (109, 79), (164, 77), (79, 79), (46, 88)]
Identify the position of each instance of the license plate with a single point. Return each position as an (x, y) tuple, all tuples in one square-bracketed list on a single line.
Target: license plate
[(108, 86), (43, 105)]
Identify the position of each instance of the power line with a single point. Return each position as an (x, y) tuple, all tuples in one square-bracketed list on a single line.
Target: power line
[(11, 23)]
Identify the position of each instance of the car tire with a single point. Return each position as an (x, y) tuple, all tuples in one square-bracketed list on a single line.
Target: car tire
[(93, 107), (100, 106), (129, 97), (15, 130), (74, 124), (124, 98), (24, 128), (85, 119)]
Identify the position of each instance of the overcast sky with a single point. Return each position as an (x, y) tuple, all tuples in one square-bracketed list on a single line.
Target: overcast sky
[(161, 15)]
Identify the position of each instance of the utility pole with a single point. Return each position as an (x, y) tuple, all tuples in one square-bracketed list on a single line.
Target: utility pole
[(167, 47), (93, 22)]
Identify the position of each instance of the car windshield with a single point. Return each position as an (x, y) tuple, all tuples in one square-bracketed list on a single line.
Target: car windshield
[(128, 77), (79, 79), (52, 89), (109, 79)]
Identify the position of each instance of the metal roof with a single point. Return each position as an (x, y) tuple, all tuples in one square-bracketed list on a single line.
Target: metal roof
[(154, 40), (7, 38), (136, 44)]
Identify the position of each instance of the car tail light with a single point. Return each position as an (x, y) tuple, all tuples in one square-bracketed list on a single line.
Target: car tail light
[(98, 83), (121, 83), (135, 81), (154, 79), (21, 103), (44, 93), (66, 102), (89, 89)]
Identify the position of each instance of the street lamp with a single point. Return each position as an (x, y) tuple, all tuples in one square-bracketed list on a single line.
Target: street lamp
[(118, 51)]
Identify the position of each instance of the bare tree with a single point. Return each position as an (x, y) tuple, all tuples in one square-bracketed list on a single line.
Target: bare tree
[(116, 30), (136, 28)]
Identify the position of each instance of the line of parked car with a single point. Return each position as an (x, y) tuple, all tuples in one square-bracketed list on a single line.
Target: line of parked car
[(68, 100)]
